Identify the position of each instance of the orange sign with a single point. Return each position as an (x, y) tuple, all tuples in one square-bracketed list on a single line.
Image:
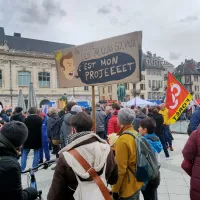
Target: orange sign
[(177, 98)]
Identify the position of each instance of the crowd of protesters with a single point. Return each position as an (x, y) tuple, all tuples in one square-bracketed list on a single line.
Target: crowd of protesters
[(111, 152)]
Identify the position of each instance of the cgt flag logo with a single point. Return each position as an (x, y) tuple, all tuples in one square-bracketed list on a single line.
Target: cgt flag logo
[(177, 98)]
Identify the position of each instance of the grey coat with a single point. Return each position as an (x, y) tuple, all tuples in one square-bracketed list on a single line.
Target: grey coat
[(66, 129), (100, 120)]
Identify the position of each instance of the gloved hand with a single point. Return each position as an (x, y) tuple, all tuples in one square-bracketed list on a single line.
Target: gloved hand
[(115, 196), (30, 193)]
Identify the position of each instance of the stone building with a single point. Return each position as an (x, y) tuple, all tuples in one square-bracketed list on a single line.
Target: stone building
[(152, 84), (188, 74), (24, 60)]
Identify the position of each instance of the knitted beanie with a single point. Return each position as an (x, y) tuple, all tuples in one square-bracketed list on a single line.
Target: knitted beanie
[(16, 132), (126, 116), (76, 109)]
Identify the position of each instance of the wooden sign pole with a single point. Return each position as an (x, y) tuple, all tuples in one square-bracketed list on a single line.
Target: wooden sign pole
[(93, 108)]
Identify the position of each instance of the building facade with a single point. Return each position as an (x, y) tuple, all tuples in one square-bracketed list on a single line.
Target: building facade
[(23, 61), (188, 74), (152, 84)]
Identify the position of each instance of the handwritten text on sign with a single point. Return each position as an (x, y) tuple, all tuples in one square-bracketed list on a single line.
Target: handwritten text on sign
[(116, 66), (110, 61)]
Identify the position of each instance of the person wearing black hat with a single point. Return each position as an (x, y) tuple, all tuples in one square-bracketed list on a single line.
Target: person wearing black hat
[(17, 115), (12, 136)]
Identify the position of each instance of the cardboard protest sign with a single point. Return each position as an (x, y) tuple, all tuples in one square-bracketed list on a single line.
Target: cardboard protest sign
[(113, 60)]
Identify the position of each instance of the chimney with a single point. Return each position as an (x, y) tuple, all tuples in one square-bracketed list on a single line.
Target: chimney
[(154, 55), (149, 53), (17, 34)]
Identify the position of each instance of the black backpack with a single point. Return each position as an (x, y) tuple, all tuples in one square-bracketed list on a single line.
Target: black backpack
[(55, 128)]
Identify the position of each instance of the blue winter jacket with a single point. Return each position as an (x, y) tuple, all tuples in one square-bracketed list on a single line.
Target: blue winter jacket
[(154, 142), (195, 120), (44, 127)]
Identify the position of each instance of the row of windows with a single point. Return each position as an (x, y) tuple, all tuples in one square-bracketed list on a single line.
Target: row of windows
[(155, 95), (155, 84), (153, 62), (156, 72), (24, 79)]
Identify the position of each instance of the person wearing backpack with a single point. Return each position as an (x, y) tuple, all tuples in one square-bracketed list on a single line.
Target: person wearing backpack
[(127, 186), (71, 181), (66, 128), (147, 130), (53, 116)]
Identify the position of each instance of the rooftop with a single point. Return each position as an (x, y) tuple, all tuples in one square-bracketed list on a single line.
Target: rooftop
[(152, 61), (16, 42), (189, 67)]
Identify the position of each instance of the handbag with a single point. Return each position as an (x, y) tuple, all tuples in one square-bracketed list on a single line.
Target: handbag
[(96, 178), (187, 166), (56, 142)]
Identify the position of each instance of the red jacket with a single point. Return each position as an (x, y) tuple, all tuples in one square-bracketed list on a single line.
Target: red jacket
[(113, 124), (191, 153)]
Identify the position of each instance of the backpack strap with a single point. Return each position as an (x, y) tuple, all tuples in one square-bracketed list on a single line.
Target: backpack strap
[(104, 190), (134, 134)]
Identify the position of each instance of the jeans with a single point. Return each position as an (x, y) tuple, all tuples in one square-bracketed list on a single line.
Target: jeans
[(163, 142), (167, 135), (35, 159), (136, 196), (45, 148)]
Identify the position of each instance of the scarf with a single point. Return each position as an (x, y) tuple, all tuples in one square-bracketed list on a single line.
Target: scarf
[(74, 136)]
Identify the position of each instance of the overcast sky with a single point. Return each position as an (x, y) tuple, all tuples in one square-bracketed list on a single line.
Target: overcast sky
[(171, 28)]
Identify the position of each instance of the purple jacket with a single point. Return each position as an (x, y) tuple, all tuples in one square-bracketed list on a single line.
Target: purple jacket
[(191, 153)]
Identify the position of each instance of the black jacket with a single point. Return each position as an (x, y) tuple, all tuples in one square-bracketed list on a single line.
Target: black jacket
[(17, 117), (50, 121), (10, 174), (34, 125), (159, 122), (137, 120)]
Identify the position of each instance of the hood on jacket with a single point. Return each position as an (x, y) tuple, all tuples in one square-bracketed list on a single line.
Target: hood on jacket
[(16, 114), (6, 147), (95, 153), (154, 142), (54, 116), (68, 116), (141, 115), (98, 109)]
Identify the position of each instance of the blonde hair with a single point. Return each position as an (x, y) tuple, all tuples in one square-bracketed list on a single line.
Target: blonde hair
[(52, 110)]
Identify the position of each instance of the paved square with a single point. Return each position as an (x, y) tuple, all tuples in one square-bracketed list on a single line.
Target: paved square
[(174, 181)]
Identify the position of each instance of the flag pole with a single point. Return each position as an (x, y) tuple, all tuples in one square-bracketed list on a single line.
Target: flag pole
[(93, 108)]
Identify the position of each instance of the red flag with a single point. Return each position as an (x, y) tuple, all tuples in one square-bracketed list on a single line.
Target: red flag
[(177, 98)]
